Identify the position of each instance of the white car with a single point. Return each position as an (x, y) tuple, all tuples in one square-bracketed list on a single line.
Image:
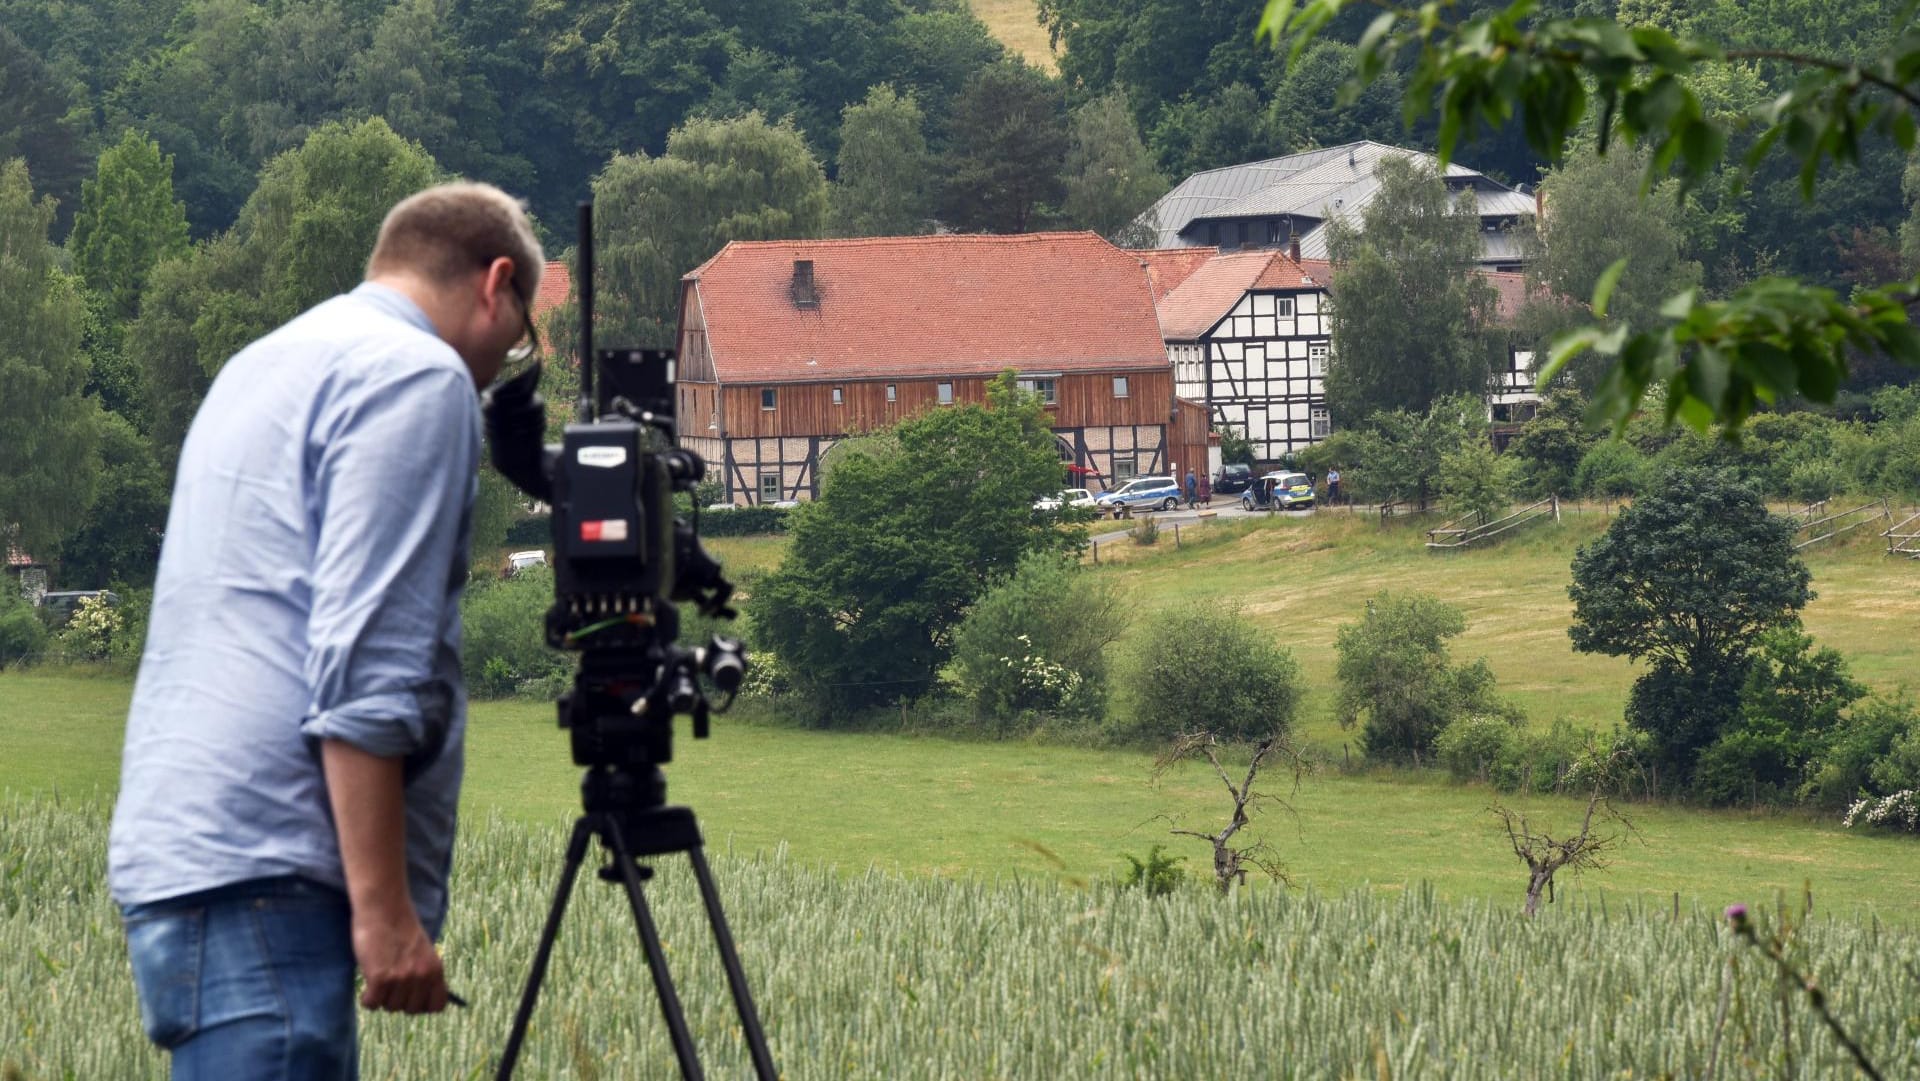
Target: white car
[(519, 561), (1071, 497)]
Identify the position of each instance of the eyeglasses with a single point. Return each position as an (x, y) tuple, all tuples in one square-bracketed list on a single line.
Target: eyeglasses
[(528, 348)]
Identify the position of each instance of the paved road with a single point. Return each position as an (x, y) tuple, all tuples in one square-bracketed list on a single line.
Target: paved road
[(1224, 509)]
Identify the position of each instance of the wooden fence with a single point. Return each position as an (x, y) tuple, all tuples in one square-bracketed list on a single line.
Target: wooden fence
[(1903, 537), (1819, 526), (1455, 535)]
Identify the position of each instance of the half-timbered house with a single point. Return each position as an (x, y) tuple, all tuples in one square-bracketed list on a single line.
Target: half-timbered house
[(1246, 333), (788, 347)]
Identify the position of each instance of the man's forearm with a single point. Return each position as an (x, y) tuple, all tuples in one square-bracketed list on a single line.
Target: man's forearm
[(369, 815)]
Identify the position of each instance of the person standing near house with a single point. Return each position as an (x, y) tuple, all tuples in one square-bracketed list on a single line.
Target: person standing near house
[(294, 747), (1193, 491), (1206, 490), (1333, 485)]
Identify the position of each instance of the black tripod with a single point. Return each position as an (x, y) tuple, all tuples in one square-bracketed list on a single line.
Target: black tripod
[(627, 811)]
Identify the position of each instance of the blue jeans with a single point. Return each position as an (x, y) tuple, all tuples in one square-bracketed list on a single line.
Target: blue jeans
[(251, 981)]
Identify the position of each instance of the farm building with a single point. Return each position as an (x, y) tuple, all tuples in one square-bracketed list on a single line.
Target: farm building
[(1290, 200), (788, 347)]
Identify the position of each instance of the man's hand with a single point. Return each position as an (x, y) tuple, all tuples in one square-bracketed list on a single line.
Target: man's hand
[(398, 961), (401, 966)]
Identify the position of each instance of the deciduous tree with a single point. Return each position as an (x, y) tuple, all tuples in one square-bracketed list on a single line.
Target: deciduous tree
[(1686, 579), (49, 428), (885, 182), (657, 218), (1410, 317), (910, 528), (39, 122), (1597, 215), (1110, 174), (1398, 682), (303, 236), (128, 221)]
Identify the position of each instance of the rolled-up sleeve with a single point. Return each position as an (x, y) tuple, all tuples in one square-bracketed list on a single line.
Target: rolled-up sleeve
[(392, 483)]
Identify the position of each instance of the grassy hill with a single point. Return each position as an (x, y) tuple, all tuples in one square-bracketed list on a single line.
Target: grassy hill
[(1305, 577)]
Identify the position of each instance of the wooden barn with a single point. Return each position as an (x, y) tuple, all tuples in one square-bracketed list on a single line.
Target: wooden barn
[(788, 347)]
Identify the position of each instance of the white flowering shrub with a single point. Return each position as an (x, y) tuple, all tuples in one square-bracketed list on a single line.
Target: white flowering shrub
[(90, 634), (1035, 645), (1899, 811)]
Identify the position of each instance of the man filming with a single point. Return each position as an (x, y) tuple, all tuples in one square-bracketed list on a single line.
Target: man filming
[(294, 747)]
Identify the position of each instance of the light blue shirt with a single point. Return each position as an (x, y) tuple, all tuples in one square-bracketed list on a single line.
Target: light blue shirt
[(309, 589)]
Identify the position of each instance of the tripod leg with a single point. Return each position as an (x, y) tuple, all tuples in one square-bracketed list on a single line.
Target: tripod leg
[(656, 957), (736, 976), (576, 852)]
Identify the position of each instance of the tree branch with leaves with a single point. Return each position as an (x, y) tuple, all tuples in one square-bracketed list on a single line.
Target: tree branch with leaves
[(1717, 361)]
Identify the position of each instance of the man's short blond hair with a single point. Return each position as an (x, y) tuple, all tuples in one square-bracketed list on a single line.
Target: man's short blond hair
[(449, 231)]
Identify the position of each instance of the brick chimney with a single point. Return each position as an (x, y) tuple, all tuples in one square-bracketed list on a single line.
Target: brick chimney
[(804, 291), (1293, 249)]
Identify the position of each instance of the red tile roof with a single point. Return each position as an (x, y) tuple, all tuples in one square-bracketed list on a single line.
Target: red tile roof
[(932, 305), (1168, 267), (555, 284), (1513, 292), (1212, 291)]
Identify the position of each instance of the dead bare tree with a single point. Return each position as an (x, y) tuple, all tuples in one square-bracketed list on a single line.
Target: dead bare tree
[(1230, 863), (1583, 851)]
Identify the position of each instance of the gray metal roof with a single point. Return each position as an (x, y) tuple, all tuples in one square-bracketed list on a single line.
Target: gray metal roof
[(1334, 182)]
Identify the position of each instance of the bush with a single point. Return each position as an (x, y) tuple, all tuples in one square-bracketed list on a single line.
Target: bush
[(1394, 671), (1146, 531), (744, 521), (1845, 769), (1610, 470), (135, 607), (1204, 667), (91, 631), (1472, 746), (22, 636), (1495, 748), (1159, 874), (1036, 642), (505, 650), (1793, 697)]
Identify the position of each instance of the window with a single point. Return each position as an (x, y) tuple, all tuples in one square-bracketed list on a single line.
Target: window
[(1283, 307), (1119, 386), (1321, 423), (1317, 358), (1042, 387), (892, 394), (945, 391), (1124, 469), (769, 487), (767, 395), (838, 398)]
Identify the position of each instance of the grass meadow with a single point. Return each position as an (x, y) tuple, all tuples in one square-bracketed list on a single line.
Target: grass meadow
[(1016, 24), (916, 906)]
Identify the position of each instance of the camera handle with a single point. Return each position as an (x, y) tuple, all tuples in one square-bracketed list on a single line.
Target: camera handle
[(610, 795)]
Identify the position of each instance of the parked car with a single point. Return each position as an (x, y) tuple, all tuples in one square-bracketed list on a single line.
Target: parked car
[(1070, 497), (1162, 492), (519, 561), (1279, 491), (1233, 477), (57, 607)]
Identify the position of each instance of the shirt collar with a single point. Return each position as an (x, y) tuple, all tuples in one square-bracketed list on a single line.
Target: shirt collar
[(394, 303)]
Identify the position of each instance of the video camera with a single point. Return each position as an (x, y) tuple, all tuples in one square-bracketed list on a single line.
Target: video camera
[(623, 559)]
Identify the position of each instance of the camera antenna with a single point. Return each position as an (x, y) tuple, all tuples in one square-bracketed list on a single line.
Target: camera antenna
[(583, 408)]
